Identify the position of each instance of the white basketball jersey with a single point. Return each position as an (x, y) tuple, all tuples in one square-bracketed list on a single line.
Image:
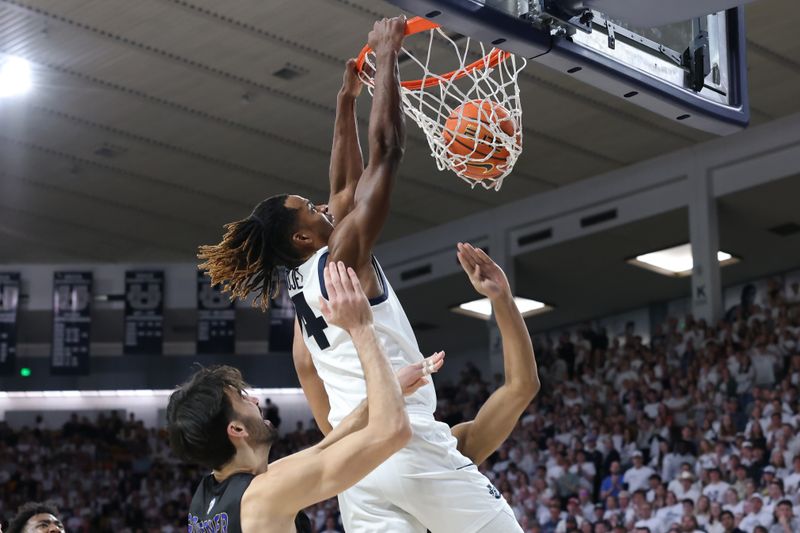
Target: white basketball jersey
[(332, 350)]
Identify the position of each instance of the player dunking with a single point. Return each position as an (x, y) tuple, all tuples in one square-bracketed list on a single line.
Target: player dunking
[(429, 484), (212, 421)]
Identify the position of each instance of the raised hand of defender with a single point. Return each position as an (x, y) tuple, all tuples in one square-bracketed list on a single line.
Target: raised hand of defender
[(351, 84), (484, 274), (387, 34), (347, 306), (413, 376)]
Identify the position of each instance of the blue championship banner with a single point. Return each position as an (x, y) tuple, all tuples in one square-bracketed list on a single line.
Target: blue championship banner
[(144, 312), (216, 318), (9, 302), (72, 299)]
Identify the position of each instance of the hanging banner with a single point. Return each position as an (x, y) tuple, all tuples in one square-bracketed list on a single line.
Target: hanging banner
[(72, 298), (9, 302), (281, 321), (216, 318), (144, 312)]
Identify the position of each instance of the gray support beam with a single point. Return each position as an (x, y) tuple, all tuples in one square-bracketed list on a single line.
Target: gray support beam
[(704, 236)]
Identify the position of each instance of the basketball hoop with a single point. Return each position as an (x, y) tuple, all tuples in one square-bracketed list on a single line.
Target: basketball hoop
[(472, 115)]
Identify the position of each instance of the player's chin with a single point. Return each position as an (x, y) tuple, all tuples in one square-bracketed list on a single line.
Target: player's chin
[(272, 432)]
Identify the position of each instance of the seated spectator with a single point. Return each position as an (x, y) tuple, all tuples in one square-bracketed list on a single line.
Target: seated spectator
[(637, 475), (715, 489), (785, 521), (755, 515), (687, 490)]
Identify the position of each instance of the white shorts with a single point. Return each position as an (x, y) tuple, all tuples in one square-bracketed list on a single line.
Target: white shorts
[(428, 485)]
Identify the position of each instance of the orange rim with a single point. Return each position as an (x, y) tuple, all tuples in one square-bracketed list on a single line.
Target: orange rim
[(419, 25)]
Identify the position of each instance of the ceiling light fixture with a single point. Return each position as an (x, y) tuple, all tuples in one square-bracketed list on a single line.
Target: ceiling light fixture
[(15, 76), (483, 308), (675, 262)]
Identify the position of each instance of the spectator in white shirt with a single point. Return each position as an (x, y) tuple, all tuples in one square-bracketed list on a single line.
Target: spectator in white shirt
[(715, 490), (671, 512), (646, 518), (757, 515), (792, 482), (764, 363), (687, 490), (637, 476)]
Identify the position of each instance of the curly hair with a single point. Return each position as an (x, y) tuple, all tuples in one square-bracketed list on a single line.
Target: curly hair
[(253, 252), (26, 511)]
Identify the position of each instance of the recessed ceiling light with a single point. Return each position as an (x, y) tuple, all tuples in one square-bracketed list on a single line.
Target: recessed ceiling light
[(483, 308), (676, 261), (15, 76)]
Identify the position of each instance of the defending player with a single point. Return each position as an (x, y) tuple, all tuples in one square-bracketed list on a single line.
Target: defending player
[(408, 492), (212, 421)]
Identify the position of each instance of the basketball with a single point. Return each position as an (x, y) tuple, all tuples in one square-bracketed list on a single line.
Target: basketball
[(468, 133)]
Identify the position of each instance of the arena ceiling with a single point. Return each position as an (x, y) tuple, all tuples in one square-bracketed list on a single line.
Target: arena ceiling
[(154, 122)]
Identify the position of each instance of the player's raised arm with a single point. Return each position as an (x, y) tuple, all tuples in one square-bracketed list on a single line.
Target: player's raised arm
[(355, 235), (497, 417), (325, 470), (312, 384), (347, 163)]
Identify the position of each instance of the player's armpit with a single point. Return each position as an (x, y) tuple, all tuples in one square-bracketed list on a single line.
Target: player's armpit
[(354, 237), (312, 384), (496, 419)]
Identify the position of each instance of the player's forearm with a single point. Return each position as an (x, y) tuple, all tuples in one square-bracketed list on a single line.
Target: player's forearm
[(386, 408), (347, 163), (387, 123), (356, 420), (519, 361)]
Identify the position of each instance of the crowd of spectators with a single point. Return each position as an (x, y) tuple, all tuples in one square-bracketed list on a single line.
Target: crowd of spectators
[(693, 431)]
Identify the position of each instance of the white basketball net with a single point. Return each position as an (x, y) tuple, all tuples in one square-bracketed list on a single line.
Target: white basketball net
[(430, 107)]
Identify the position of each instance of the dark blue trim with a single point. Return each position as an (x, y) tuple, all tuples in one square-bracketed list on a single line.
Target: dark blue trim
[(737, 114), (321, 274), (381, 278)]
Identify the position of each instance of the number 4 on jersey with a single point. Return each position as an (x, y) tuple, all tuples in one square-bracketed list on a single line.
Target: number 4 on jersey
[(311, 324)]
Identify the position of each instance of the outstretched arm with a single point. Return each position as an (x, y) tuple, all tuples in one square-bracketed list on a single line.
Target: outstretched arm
[(313, 387), (355, 235), (319, 472), (496, 419), (347, 164)]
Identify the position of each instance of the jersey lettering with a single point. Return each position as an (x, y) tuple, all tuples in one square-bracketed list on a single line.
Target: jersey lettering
[(311, 324)]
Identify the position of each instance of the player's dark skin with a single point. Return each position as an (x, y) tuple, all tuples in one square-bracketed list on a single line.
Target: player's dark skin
[(351, 222), (358, 205)]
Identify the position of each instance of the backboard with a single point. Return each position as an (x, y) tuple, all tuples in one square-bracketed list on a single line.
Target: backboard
[(692, 71)]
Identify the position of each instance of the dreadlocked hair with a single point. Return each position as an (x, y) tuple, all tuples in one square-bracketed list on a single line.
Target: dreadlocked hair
[(252, 253)]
